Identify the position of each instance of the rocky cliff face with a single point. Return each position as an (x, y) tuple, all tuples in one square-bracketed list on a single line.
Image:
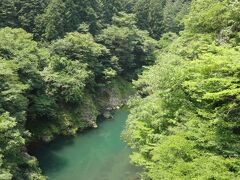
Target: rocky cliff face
[(74, 118)]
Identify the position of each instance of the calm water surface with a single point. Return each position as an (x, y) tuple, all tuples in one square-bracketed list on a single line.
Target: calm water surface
[(97, 154)]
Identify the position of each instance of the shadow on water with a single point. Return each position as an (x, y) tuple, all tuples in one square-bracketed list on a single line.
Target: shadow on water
[(49, 161), (61, 142)]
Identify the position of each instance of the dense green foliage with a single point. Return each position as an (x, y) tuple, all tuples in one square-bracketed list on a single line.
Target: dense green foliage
[(51, 19), (64, 62), (57, 75), (13, 157), (184, 124), (160, 16), (37, 17), (132, 47)]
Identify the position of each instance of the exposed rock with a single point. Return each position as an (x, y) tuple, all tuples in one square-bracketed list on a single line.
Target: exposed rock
[(94, 125), (47, 138), (107, 115)]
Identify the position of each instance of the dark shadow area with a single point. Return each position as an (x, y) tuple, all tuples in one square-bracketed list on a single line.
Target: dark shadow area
[(57, 144), (60, 142), (49, 161)]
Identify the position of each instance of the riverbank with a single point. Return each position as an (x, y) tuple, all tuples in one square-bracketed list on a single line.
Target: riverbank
[(95, 154), (76, 118)]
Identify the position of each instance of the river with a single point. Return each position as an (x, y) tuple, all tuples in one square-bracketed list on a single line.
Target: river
[(97, 154)]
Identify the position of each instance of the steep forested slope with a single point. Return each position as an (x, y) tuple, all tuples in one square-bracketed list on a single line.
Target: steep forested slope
[(64, 62), (184, 124)]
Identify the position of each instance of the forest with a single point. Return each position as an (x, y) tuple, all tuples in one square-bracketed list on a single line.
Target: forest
[(175, 63)]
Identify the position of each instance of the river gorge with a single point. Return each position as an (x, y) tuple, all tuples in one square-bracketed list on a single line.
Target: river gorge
[(94, 154)]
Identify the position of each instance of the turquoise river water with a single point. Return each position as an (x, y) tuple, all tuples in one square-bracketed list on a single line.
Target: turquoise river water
[(97, 154)]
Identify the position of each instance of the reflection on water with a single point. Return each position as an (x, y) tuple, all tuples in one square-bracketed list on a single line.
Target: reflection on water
[(98, 154)]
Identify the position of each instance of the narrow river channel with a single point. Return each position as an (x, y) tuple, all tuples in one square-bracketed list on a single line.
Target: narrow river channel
[(97, 154)]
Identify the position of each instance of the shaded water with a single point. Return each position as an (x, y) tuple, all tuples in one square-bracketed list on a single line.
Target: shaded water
[(97, 154)]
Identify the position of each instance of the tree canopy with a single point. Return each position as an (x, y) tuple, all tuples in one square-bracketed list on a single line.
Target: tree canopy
[(184, 123), (65, 62)]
